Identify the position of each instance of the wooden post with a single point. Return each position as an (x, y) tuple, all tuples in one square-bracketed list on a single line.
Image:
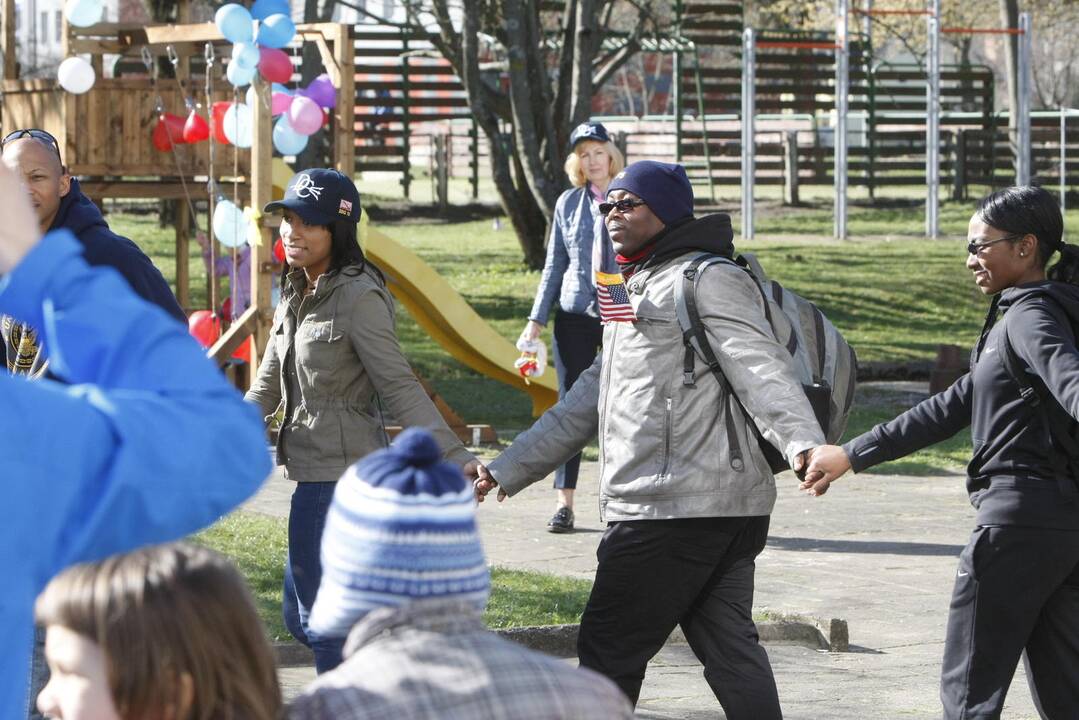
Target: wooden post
[(959, 175), (790, 167), (442, 174), (183, 268), (10, 60), (345, 132), (261, 255)]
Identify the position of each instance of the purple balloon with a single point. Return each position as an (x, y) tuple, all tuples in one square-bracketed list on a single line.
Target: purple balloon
[(322, 91)]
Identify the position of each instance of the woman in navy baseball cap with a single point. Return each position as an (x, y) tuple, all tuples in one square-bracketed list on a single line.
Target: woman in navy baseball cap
[(333, 362)]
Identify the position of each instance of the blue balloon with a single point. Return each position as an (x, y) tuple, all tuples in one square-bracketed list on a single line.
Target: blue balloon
[(239, 75), (286, 140), (278, 87), (84, 13), (246, 54), (230, 226), (276, 31), (263, 9), (234, 22)]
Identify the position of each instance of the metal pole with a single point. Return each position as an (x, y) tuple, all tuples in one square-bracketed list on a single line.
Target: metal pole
[(749, 111), (1063, 158), (932, 123), (842, 86), (1023, 173)]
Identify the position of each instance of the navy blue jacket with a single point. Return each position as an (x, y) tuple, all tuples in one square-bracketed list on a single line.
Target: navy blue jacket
[(101, 246)]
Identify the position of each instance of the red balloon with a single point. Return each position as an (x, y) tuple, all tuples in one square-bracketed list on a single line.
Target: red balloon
[(204, 326), (243, 353), (275, 65), (217, 121), (279, 251), (195, 129), (168, 131), (325, 117)]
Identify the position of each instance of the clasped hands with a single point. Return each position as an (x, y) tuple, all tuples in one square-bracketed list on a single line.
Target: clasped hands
[(826, 463), (482, 481)]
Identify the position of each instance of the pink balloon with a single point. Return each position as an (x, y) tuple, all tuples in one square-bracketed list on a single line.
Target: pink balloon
[(275, 65), (322, 91), (279, 103), (304, 115)]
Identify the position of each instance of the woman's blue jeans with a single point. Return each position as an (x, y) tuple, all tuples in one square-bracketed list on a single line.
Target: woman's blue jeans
[(303, 570)]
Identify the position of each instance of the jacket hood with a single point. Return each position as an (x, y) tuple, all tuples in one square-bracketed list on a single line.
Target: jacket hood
[(1065, 294), (711, 234), (77, 213)]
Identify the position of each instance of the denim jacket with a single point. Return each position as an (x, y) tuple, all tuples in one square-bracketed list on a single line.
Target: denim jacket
[(567, 273)]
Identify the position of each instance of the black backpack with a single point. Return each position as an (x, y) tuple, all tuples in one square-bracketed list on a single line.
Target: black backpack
[(1060, 427)]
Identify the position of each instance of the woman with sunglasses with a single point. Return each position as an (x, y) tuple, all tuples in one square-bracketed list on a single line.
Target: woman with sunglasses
[(567, 277), (1017, 585)]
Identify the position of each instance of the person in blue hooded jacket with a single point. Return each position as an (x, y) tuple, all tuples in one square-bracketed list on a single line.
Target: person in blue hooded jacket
[(59, 202), (142, 442)]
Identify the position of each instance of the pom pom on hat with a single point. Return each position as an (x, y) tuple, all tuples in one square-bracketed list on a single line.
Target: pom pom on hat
[(401, 527)]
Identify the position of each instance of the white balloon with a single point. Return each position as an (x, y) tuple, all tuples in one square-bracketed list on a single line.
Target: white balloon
[(238, 125), (230, 226), (76, 75)]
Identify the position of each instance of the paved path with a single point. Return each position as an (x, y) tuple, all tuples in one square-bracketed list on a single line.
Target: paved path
[(878, 551)]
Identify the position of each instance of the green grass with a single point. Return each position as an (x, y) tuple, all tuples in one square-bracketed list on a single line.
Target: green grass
[(258, 544)]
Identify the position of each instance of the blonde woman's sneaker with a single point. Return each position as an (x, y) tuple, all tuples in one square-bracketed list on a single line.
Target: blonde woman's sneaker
[(562, 522)]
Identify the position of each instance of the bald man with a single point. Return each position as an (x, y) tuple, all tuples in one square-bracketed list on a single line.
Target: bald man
[(34, 156)]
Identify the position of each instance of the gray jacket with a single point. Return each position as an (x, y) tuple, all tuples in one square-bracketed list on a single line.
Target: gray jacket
[(434, 660), (328, 356), (663, 449)]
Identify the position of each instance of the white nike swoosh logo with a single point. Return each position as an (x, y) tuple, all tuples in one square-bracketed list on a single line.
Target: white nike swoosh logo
[(962, 574)]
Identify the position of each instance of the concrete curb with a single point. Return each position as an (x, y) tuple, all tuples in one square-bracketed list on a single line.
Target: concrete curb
[(561, 640)]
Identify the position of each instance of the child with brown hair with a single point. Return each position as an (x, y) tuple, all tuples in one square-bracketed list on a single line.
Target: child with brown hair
[(163, 633)]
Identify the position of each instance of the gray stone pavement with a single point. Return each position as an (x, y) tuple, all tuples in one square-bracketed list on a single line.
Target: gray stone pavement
[(878, 551)]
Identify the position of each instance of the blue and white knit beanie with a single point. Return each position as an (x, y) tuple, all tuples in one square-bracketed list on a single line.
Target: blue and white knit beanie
[(402, 527)]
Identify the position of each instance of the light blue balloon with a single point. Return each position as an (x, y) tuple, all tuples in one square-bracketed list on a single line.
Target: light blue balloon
[(84, 13), (263, 9), (239, 125), (276, 31), (234, 23), (239, 75), (230, 227), (286, 140), (278, 87), (246, 54)]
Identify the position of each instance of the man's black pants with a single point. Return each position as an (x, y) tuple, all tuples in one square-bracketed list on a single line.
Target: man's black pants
[(1016, 593), (697, 573)]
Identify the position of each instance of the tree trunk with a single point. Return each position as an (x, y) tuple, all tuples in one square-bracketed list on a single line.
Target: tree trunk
[(1009, 17), (585, 43)]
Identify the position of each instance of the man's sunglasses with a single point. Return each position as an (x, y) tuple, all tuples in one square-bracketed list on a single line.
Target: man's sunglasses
[(623, 206), (974, 248), (34, 133)]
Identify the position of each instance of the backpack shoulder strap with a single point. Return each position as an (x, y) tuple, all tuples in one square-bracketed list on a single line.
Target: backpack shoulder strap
[(694, 336)]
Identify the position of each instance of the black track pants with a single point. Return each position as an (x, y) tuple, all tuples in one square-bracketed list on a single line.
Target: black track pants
[(1016, 590), (697, 573)]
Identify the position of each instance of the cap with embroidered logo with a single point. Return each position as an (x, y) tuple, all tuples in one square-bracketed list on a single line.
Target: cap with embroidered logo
[(320, 196), (593, 131)]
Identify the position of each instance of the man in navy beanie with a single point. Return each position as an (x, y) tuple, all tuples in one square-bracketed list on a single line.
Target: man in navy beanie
[(685, 490)]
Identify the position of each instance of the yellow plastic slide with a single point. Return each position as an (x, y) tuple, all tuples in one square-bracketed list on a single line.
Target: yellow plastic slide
[(451, 321)]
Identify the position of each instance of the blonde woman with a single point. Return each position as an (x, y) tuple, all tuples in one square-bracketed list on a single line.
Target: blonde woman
[(567, 277)]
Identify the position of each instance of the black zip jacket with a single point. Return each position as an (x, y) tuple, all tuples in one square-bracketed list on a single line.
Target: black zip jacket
[(1012, 477)]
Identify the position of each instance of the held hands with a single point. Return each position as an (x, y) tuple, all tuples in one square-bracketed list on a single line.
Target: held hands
[(19, 232), (827, 463), (482, 481)]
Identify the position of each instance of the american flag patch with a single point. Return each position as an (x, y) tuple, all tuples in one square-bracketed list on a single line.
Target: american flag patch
[(345, 208), (613, 298)]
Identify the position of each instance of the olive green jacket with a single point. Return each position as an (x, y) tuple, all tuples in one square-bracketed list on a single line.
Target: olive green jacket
[(330, 356)]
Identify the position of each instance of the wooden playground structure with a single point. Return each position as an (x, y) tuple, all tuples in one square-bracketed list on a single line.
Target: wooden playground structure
[(105, 135)]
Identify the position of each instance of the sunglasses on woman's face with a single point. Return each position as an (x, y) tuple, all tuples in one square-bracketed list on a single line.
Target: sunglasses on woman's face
[(34, 133), (973, 248), (622, 206)]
